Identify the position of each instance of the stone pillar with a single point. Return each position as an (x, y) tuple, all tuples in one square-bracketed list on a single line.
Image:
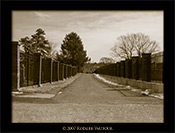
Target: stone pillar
[(51, 68), (140, 68), (146, 67), (135, 67), (60, 71), (63, 71), (15, 66), (115, 69), (75, 70), (118, 69), (40, 70), (109, 69), (57, 71), (38, 67), (71, 71), (122, 69), (78, 69), (66, 71), (54, 71), (128, 68)]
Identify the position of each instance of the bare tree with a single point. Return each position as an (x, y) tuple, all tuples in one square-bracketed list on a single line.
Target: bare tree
[(106, 60), (143, 44), (124, 47), (130, 43)]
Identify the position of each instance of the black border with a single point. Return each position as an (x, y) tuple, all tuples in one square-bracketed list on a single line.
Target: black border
[(167, 6)]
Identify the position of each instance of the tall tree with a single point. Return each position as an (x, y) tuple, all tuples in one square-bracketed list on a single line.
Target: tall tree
[(143, 44), (37, 43), (72, 50), (129, 44)]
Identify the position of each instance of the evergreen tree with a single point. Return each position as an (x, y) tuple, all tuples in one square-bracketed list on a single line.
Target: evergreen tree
[(72, 50), (37, 43)]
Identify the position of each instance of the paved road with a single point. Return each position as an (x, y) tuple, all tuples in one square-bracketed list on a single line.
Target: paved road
[(89, 100)]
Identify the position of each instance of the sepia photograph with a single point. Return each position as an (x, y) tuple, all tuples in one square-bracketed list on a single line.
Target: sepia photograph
[(81, 66), (87, 66)]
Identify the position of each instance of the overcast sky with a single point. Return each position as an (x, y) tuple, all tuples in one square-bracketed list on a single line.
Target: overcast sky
[(97, 29)]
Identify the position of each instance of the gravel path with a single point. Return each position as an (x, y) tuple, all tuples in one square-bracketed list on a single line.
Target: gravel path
[(89, 100)]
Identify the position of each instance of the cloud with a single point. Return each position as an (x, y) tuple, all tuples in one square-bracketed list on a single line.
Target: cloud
[(41, 16), (98, 29)]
